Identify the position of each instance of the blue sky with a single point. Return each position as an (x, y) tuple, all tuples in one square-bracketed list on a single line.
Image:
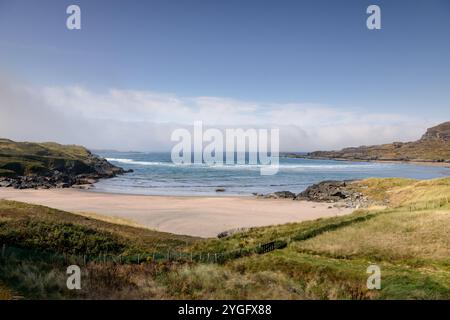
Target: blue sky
[(272, 55)]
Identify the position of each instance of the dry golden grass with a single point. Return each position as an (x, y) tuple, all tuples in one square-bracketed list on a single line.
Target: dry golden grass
[(402, 235), (402, 192), (417, 229)]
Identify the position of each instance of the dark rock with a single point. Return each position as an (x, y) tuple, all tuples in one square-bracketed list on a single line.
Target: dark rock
[(83, 186), (220, 190), (277, 195), (74, 174), (231, 232), (285, 194), (326, 191), (268, 196)]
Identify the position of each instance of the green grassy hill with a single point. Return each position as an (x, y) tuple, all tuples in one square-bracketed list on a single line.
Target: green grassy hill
[(406, 235), (23, 158), (32, 165)]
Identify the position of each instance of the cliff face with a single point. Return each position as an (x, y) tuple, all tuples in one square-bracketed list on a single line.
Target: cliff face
[(433, 146), (30, 165), (438, 133)]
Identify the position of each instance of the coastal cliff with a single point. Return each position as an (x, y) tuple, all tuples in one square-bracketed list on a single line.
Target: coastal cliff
[(25, 165), (433, 146)]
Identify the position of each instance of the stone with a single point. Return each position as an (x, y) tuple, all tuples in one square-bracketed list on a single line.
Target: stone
[(285, 194), (228, 233)]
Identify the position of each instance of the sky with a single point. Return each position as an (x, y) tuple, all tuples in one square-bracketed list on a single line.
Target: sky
[(137, 70)]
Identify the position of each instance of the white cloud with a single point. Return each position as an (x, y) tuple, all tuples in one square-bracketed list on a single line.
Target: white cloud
[(144, 120)]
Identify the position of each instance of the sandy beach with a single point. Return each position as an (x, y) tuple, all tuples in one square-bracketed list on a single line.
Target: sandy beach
[(196, 216)]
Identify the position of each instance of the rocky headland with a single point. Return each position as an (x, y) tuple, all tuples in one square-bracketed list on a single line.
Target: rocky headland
[(432, 148), (25, 165)]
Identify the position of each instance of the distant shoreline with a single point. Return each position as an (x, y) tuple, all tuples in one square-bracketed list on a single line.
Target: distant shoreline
[(413, 162)]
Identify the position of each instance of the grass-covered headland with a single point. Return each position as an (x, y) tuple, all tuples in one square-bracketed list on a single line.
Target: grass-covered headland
[(406, 233), (25, 165)]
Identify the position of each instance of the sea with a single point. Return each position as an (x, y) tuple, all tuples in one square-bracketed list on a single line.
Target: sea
[(156, 174)]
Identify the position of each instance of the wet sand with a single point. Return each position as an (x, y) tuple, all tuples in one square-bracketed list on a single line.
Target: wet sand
[(197, 216)]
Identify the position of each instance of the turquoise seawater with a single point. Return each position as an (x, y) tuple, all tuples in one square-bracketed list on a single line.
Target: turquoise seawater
[(156, 174)]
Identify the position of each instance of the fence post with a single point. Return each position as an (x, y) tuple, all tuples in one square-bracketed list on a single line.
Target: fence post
[(215, 257), (208, 258), (84, 260), (191, 256), (138, 258), (3, 250)]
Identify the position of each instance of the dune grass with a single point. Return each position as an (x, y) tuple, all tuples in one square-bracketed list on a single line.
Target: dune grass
[(416, 238)]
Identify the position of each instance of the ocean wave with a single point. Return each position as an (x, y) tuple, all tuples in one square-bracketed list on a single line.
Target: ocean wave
[(283, 166), (142, 163)]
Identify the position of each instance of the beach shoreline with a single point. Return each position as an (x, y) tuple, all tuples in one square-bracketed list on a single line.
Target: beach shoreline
[(201, 216), (418, 163)]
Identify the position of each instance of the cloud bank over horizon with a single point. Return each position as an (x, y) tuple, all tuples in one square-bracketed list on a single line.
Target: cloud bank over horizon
[(144, 120)]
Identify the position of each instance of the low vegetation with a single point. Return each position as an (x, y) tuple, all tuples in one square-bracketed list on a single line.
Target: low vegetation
[(37, 227), (23, 158), (405, 234)]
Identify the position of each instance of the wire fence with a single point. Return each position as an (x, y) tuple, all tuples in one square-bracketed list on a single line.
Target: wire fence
[(8, 251), (200, 256)]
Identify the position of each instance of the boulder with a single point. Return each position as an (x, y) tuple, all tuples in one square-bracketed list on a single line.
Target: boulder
[(285, 194), (228, 233), (325, 191)]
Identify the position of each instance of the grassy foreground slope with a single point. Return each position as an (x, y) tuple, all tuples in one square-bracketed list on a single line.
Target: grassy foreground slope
[(406, 235)]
